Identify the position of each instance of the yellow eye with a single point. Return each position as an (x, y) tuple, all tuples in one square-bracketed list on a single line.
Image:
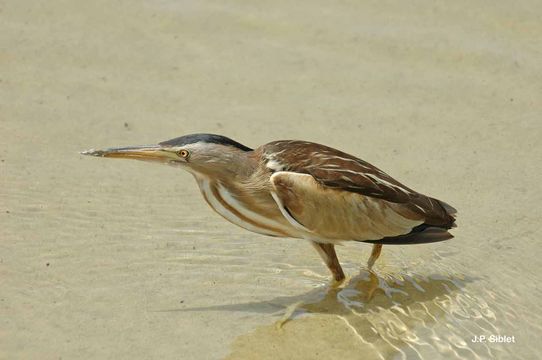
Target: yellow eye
[(183, 153)]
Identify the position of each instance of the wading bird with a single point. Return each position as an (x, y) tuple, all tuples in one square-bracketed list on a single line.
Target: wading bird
[(301, 190)]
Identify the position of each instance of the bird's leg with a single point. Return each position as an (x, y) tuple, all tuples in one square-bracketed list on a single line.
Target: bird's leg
[(327, 252), (377, 249)]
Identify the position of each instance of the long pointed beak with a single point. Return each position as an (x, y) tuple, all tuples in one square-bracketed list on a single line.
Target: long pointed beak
[(142, 152)]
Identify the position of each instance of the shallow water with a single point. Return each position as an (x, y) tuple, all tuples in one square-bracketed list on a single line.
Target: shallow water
[(116, 259)]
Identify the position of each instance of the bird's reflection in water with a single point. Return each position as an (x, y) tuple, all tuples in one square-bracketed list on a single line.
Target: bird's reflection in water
[(369, 291), (387, 315), (378, 315)]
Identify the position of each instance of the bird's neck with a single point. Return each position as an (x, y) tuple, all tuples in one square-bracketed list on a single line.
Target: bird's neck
[(238, 170), (244, 178)]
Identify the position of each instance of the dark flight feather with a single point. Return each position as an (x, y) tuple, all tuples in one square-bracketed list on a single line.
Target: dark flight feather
[(420, 234)]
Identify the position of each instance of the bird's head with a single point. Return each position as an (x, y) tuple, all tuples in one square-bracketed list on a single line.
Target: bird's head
[(200, 154)]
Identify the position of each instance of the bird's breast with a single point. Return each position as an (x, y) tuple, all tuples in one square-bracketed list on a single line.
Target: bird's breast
[(245, 211)]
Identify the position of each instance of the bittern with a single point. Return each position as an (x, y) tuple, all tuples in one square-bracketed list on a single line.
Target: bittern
[(303, 190)]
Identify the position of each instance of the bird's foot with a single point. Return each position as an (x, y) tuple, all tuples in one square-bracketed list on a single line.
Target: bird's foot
[(337, 282)]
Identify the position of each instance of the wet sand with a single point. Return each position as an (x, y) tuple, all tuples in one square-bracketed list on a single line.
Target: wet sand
[(121, 259)]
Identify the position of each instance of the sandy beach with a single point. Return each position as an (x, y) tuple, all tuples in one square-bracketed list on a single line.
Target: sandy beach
[(107, 259)]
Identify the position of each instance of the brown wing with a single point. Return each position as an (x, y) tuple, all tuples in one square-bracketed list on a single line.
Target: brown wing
[(338, 170)]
